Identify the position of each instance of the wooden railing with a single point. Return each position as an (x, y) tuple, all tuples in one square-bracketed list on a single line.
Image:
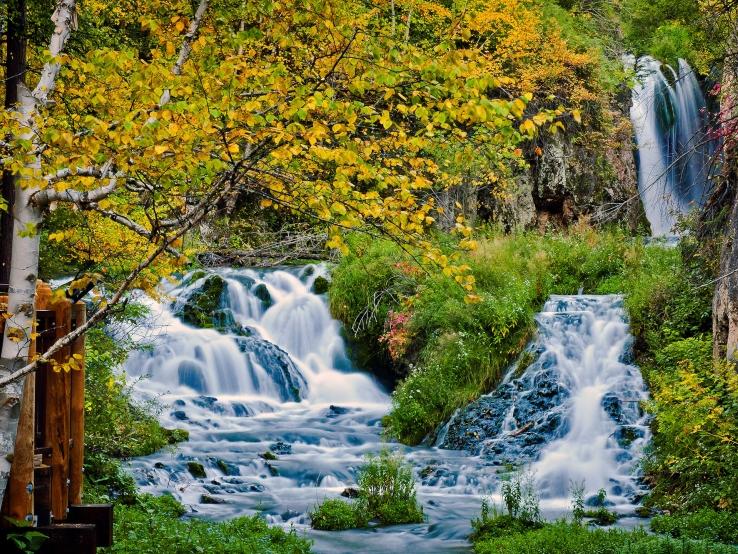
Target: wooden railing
[(46, 474)]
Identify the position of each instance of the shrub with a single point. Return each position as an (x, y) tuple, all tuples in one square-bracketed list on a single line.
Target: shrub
[(707, 524), (386, 494), (571, 538), (387, 487), (336, 515), (694, 457)]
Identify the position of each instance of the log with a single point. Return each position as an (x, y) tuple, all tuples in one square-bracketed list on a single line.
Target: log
[(57, 421), (77, 423)]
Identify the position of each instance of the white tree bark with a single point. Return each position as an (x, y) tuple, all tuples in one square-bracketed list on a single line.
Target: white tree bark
[(24, 264)]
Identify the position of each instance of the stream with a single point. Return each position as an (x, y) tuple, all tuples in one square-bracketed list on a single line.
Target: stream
[(272, 374)]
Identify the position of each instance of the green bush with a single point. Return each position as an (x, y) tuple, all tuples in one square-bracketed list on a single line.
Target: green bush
[(705, 524), (153, 526), (387, 487), (386, 494), (335, 514), (571, 538)]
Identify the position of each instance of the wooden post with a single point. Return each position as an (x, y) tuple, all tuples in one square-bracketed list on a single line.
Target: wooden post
[(57, 416), (20, 491), (77, 454)]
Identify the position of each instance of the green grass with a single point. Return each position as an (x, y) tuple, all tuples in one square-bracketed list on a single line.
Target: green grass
[(448, 352), (154, 525), (571, 538), (707, 524)]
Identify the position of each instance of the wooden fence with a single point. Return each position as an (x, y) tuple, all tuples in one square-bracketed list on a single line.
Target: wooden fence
[(46, 475)]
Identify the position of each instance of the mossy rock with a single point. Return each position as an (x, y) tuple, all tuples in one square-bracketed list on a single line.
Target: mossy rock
[(203, 303), (228, 469), (174, 436), (207, 499), (196, 469), (262, 293), (320, 285), (268, 455), (196, 275)]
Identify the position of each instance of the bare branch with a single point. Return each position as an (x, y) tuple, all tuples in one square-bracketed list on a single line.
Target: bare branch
[(186, 48)]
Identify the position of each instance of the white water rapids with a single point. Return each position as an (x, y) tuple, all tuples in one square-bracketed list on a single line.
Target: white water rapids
[(280, 380)]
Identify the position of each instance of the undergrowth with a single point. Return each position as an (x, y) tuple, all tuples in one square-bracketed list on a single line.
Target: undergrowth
[(447, 352), (386, 495)]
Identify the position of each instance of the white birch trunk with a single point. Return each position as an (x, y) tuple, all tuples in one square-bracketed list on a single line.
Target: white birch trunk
[(24, 263)]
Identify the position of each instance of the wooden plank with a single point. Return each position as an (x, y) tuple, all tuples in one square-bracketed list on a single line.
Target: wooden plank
[(21, 483), (77, 423), (66, 538), (100, 515), (56, 423), (20, 491)]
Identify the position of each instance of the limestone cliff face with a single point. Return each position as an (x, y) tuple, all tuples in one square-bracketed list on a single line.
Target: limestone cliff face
[(568, 179)]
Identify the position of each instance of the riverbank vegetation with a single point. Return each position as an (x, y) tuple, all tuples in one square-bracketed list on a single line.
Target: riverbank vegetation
[(446, 351), (386, 495)]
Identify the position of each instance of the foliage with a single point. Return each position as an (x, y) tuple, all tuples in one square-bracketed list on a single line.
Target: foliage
[(571, 538), (386, 494), (154, 525), (334, 514), (387, 487), (695, 402), (453, 351)]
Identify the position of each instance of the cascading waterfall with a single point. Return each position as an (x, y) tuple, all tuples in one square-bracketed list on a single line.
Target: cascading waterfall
[(273, 341), (280, 420), (670, 121), (574, 413)]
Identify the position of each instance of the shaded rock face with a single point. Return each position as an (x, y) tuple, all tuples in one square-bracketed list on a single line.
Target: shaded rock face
[(290, 383), (532, 404), (569, 178)]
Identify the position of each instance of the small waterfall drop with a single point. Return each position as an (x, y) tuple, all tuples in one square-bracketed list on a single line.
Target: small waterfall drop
[(670, 119), (574, 413)]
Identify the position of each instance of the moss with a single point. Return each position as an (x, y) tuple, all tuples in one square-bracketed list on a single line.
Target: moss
[(204, 302), (175, 436), (320, 285), (262, 293), (197, 470), (268, 455)]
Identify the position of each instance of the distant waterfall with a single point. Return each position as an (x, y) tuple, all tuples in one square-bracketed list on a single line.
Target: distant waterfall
[(669, 116)]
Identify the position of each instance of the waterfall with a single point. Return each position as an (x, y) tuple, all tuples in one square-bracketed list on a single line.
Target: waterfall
[(273, 341), (574, 413), (669, 117)]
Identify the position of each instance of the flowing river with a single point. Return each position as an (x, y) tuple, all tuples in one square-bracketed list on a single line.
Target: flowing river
[(271, 374)]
